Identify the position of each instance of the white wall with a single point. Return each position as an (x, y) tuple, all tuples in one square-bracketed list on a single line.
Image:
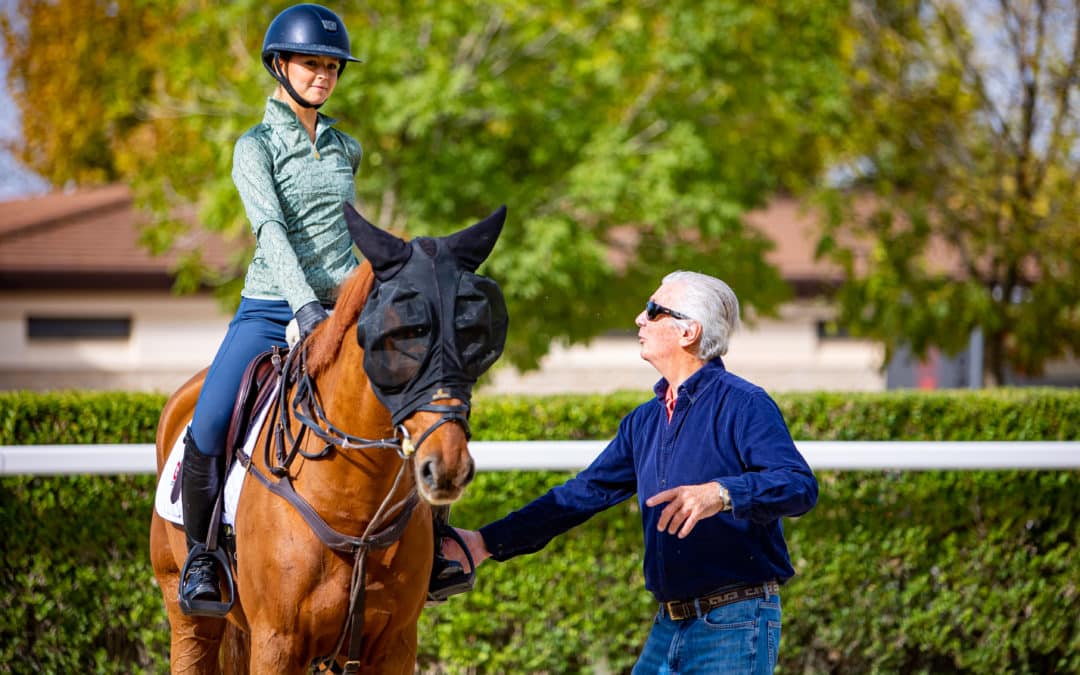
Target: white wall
[(780, 354), (171, 338)]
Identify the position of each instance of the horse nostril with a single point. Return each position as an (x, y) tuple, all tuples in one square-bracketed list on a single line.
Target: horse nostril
[(470, 474), (427, 472)]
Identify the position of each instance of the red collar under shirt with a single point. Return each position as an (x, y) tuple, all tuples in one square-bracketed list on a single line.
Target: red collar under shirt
[(669, 401)]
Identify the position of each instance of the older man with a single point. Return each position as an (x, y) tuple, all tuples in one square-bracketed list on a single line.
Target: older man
[(715, 470)]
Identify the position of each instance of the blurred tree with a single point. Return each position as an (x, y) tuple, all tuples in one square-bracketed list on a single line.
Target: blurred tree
[(965, 134), (627, 139)]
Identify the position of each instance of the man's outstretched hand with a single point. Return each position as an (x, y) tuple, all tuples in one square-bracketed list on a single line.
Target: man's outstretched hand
[(477, 548), (686, 505)]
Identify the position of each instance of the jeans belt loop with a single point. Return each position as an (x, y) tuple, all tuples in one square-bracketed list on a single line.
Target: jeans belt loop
[(697, 607)]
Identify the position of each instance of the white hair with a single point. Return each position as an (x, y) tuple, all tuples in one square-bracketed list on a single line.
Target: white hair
[(712, 304)]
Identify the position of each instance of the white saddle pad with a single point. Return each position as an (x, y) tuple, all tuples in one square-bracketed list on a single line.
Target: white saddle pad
[(173, 511)]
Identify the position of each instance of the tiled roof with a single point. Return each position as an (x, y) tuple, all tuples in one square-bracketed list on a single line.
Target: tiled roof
[(87, 238)]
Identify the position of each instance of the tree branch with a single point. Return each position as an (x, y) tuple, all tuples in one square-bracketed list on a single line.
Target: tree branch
[(978, 82), (1063, 87)]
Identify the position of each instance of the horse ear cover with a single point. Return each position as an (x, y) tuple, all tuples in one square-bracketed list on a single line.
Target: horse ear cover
[(474, 244), (386, 253)]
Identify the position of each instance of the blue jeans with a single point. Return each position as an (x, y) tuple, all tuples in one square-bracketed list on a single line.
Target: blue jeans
[(257, 325), (741, 638)]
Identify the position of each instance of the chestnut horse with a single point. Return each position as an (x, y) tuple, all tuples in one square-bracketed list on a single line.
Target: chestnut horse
[(412, 331)]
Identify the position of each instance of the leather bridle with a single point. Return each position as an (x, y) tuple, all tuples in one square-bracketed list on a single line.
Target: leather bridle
[(383, 530)]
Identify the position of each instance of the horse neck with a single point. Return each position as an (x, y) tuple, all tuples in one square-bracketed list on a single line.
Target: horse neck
[(348, 397)]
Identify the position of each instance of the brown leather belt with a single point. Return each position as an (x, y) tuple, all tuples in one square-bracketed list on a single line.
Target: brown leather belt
[(679, 610)]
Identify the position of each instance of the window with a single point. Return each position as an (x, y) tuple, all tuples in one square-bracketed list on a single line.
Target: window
[(78, 328), (831, 330)]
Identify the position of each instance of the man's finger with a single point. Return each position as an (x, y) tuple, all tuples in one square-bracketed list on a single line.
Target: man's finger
[(661, 497), (665, 516), (676, 521), (451, 549), (687, 526)]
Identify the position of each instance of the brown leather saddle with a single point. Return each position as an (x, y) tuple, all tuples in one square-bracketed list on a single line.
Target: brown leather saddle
[(256, 387)]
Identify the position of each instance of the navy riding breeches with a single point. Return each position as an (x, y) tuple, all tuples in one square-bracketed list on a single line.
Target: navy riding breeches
[(258, 325)]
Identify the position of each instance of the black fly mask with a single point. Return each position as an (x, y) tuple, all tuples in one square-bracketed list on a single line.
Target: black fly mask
[(431, 327)]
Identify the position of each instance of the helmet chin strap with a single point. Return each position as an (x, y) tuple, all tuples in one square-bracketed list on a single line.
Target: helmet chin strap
[(279, 75)]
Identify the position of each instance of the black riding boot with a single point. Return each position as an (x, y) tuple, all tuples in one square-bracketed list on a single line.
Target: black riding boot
[(448, 577), (201, 483)]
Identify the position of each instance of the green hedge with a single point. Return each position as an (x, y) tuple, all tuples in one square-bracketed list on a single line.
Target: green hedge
[(940, 571)]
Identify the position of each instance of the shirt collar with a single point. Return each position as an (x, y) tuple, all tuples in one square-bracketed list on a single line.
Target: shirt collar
[(278, 113), (695, 382)]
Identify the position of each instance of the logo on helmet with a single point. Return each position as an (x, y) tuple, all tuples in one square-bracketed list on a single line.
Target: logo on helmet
[(330, 25)]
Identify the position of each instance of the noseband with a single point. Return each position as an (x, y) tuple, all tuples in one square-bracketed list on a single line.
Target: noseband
[(450, 413)]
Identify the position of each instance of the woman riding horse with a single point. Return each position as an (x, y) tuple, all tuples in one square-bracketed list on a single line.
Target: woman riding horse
[(333, 533), (293, 172)]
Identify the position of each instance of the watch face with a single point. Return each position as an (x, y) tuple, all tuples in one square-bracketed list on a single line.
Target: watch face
[(726, 496)]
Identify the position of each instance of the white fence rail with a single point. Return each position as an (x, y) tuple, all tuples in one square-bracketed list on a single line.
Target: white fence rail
[(573, 455)]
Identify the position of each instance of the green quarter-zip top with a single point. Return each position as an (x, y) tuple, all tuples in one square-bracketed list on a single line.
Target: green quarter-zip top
[(293, 190)]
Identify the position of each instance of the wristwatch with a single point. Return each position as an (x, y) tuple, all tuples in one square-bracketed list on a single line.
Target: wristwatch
[(726, 496)]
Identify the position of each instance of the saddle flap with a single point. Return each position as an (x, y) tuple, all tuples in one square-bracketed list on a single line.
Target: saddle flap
[(258, 383)]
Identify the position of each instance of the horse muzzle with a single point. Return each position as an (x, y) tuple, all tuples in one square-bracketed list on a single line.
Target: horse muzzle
[(441, 450), (438, 484)]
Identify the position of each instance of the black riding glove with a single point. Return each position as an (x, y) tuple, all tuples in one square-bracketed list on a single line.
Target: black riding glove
[(309, 316)]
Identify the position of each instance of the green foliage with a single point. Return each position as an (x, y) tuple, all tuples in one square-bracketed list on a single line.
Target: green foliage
[(627, 139), (921, 572), (958, 572), (74, 417), (76, 589), (558, 418), (577, 606), (986, 415), (964, 210)]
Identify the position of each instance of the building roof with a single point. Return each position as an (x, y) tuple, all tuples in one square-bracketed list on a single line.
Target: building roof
[(88, 239), (794, 231)]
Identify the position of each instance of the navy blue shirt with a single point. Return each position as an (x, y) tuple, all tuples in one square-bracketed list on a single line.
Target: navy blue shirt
[(723, 429)]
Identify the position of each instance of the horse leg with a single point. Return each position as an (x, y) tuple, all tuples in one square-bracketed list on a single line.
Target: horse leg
[(276, 651), (195, 643), (195, 640), (235, 651), (392, 649)]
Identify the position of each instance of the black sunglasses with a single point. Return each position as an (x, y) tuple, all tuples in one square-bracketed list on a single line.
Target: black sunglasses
[(653, 310)]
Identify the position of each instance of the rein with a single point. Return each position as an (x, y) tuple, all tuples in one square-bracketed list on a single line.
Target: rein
[(382, 530), (307, 409)]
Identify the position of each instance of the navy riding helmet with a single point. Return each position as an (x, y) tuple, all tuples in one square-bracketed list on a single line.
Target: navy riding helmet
[(305, 29)]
